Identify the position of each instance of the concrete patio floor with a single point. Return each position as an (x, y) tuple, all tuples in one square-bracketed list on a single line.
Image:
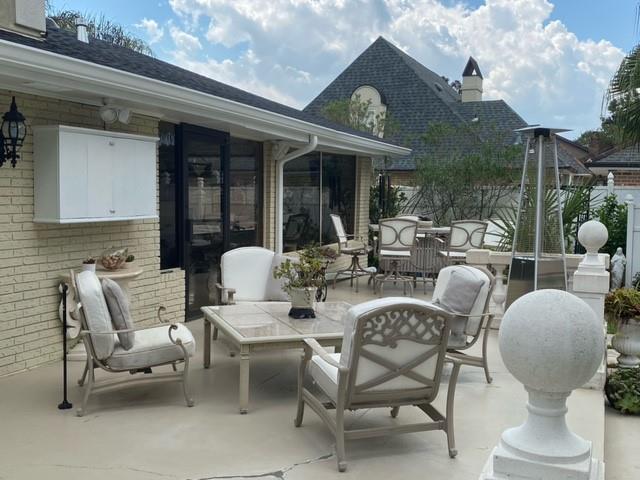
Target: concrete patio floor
[(147, 432)]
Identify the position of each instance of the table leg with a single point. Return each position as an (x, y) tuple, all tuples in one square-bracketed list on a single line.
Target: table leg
[(244, 379), (206, 356)]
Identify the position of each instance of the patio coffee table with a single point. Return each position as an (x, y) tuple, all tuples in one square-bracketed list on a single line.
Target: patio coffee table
[(266, 326)]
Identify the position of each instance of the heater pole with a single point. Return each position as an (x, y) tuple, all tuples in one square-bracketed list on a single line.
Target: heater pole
[(65, 405)]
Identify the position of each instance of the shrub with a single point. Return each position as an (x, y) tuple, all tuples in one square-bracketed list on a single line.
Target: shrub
[(623, 390), (613, 215)]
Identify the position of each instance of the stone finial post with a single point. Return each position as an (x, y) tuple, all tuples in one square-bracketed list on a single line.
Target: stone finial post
[(552, 342), (610, 184), (591, 282)]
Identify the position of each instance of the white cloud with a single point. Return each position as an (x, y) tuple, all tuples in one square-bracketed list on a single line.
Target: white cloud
[(185, 42), (154, 31), (296, 47)]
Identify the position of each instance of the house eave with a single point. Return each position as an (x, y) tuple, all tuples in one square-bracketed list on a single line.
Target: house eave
[(24, 62)]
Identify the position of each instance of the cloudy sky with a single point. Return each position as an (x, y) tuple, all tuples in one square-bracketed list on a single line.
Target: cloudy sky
[(550, 60)]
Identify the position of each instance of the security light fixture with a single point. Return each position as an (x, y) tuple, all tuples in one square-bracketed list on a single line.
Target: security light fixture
[(12, 134)]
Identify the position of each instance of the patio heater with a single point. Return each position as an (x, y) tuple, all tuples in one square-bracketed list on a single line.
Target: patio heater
[(538, 256)]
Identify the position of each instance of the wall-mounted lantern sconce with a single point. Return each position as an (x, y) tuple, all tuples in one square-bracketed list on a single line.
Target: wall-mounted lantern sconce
[(12, 134)]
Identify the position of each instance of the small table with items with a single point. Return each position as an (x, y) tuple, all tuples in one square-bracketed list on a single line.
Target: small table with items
[(255, 326)]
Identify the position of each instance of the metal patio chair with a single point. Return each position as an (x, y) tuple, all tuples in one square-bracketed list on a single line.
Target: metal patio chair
[(464, 235), (454, 291), (354, 270), (392, 355), (152, 346), (396, 246)]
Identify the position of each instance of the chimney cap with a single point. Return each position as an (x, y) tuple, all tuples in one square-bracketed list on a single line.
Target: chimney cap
[(472, 69)]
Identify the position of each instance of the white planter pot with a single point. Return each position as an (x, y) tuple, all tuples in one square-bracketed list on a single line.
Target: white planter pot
[(627, 343), (302, 297), (88, 267)]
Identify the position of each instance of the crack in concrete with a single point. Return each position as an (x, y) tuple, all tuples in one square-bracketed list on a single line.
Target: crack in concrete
[(276, 474), (268, 379), (86, 467)]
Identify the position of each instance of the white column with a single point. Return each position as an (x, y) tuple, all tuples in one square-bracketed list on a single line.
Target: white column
[(630, 253), (533, 344), (591, 284)]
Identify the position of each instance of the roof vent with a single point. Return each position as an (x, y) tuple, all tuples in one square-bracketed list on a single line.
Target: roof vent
[(438, 87), (81, 30)]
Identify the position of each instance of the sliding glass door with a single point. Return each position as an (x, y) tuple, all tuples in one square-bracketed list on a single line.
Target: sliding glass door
[(215, 186)]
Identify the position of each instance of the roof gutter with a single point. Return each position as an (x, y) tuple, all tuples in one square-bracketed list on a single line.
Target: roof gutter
[(286, 157), (21, 61)]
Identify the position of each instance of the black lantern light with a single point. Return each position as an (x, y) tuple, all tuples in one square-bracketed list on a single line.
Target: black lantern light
[(12, 134)]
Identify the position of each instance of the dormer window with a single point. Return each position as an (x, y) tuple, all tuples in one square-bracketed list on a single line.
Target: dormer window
[(377, 109)]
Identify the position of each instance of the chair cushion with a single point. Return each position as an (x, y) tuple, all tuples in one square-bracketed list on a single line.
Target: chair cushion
[(96, 313), (118, 305), (153, 347), (395, 253), (247, 270), (325, 375), (275, 286), (460, 295)]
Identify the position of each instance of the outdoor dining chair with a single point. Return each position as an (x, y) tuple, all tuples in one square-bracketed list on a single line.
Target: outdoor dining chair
[(396, 246), (354, 270), (464, 235), (393, 351)]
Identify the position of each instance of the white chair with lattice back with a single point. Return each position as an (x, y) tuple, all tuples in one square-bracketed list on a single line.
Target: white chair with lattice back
[(393, 352), (464, 235), (396, 245), (355, 250)]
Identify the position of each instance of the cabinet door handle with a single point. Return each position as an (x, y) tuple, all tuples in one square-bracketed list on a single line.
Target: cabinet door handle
[(112, 211), (112, 143)]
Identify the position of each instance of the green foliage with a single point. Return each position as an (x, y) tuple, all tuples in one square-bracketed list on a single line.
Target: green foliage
[(623, 390), (614, 216), (623, 99), (468, 173), (306, 272), (622, 304), (393, 204), (356, 113), (573, 205), (98, 26)]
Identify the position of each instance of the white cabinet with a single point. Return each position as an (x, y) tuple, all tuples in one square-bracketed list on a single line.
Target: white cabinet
[(83, 175)]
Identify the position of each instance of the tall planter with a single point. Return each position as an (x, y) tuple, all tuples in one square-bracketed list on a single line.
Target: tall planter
[(627, 342), (302, 302)]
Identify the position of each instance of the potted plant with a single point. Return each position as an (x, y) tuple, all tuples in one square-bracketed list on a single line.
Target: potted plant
[(89, 264), (303, 277), (623, 390), (129, 260), (622, 307)]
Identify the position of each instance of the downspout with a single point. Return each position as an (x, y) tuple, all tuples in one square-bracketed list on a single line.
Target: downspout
[(280, 163)]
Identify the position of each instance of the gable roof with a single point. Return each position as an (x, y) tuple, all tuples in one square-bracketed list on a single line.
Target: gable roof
[(416, 97), (65, 43), (616, 157)]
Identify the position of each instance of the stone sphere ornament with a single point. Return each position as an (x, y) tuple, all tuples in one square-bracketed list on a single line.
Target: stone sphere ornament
[(552, 342)]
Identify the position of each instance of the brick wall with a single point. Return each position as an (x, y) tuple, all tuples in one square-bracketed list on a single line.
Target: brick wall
[(625, 178), (32, 256)]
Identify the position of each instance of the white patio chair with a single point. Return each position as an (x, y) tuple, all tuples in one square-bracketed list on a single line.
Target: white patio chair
[(465, 291), (396, 245), (247, 276), (354, 270), (152, 346), (392, 355), (464, 235)]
